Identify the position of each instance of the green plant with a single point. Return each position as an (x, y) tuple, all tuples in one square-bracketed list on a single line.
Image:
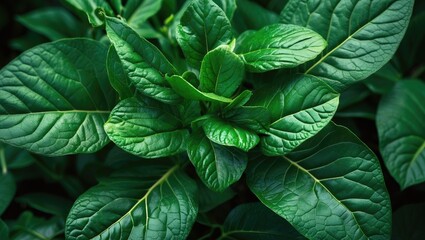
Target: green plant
[(187, 99)]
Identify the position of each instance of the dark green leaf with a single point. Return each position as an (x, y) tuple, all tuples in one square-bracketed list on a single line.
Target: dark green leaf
[(250, 15), (209, 199), (203, 27), (217, 166), (92, 9), (146, 128), (47, 203), (400, 121), (17, 158), (145, 65), (7, 190), (228, 6), (145, 9), (228, 134), (117, 75), (279, 46), (53, 22), (222, 72), (253, 221), (29, 227), (384, 79), (250, 117), (362, 35), (239, 100), (4, 231), (408, 222), (188, 91), (159, 204), (55, 98), (331, 187), (116, 5)]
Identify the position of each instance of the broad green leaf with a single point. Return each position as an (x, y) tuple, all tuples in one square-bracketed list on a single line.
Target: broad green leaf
[(254, 118), (188, 91), (92, 9), (222, 72), (408, 222), (279, 46), (159, 204), (47, 203), (146, 128), (4, 230), (145, 9), (253, 221), (7, 190), (251, 15), (144, 63), (117, 75), (400, 123), (203, 27), (229, 134), (331, 187), (28, 226), (52, 22), (228, 6), (299, 109), (209, 199), (239, 100), (218, 166), (362, 35), (189, 111), (55, 98)]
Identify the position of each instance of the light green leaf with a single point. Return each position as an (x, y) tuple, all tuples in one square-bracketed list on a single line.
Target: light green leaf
[(92, 9), (217, 166), (362, 35), (188, 91), (228, 6), (279, 46), (331, 187), (144, 10), (400, 123), (52, 22), (158, 204), (146, 128), (253, 221), (228, 134), (251, 15), (55, 98), (203, 27), (117, 75), (4, 230), (408, 222), (222, 72), (299, 109), (144, 63), (7, 190)]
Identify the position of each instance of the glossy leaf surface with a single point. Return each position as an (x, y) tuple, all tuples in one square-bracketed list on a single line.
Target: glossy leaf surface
[(92, 9)]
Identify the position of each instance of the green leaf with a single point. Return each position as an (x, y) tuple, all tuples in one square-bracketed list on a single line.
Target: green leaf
[(145, 9), (27, 226), (299, 109), (331, 187), (144, 63), (217, 166), (203, 27), (279, 46), (252, 221), (116, 5), (408, 222), (4, 230), (362, 35), (188, 91), (17, 158), (47, 203), (239, 100), (400, 120), (222, 72), (146, 128), (209, 199), (158, 204), (7, 190), (250, 15), (55, 98), (52, 22), (228, 6), (250, 117), (92, 9), (228, 134), (117, 75)]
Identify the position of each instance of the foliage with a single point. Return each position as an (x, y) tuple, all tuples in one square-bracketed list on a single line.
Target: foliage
[(213, 119)]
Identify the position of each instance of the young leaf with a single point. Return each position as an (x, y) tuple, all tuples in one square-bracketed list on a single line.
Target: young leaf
[(358, 45), (203, 27), (217, 166), (331, 187), (146, 128), (188, 91), (145, 65), (7, 190), (239, 100), (252, 221), (117, 75), (400, 121), (144, 10), (156, 205), (408, 222), (228, 134), (222, 72), (279, 46), (92, 9), (299, 109), (53, 22), (55, 98)]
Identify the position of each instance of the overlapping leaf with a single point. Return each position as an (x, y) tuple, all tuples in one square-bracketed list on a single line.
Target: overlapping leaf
[(331, 187), (92, 9), (55, 98)]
